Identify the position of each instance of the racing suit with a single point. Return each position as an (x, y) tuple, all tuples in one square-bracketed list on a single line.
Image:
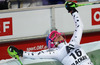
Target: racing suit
[(67, 53)]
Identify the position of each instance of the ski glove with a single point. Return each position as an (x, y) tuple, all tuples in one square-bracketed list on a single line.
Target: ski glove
[(14, 51), (70, 6)]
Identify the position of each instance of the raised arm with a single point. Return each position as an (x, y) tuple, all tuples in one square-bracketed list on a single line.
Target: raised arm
[(78, 28), (70, 6)]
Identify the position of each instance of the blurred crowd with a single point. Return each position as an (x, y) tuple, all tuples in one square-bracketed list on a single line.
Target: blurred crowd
[(6, 4), (51, 2)]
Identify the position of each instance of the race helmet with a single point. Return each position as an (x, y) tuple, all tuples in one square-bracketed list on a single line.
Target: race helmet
[(54, 35)]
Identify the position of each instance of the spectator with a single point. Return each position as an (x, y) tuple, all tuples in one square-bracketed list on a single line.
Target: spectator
[(3, 4), (45, 2), (51, 2), (61, 2)]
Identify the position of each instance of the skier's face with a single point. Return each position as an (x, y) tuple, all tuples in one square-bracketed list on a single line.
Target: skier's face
[(56, 37), (60, 39)]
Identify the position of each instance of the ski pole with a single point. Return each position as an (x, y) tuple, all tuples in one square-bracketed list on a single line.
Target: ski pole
[(18, 59), (87, 4), (78, 5)]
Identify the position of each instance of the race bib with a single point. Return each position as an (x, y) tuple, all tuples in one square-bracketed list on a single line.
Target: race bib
[(75, 56)]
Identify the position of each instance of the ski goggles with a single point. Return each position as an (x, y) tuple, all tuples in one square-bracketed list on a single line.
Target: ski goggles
[(54, 35)]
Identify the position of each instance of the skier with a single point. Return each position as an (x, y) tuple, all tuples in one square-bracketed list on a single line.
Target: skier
[(67, 53)]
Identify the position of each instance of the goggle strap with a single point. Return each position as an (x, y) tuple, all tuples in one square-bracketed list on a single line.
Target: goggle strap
[(49, 44)]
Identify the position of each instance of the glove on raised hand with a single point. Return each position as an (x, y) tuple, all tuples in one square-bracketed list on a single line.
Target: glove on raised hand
[(70, 6)]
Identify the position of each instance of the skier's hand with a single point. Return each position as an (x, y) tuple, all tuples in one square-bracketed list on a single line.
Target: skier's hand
[(14, 51), (70, 6)]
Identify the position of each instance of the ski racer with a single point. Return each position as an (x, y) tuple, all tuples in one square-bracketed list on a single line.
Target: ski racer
[(67, 53)]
